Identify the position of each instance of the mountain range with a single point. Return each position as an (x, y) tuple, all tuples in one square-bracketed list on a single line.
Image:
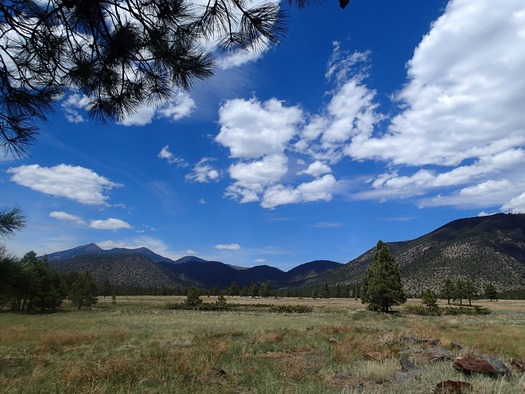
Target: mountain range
[(488, 249)]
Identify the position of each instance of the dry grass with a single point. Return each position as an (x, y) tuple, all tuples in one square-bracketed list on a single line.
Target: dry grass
[(136, 346)]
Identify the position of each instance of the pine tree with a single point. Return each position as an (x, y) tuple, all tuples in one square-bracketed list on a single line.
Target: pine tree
[(491, 292), (193, 297), (382, 286), (83, 290), (447, 291)]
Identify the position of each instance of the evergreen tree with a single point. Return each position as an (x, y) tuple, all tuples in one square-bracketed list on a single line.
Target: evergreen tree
[(253, 290), (460, 291), (429, 299), (193, 297), (382, 286), (491, 292), (233, 290), (471, 292), (83, 290), (325, 293), (447, 291), (221, 301), (264, 291)]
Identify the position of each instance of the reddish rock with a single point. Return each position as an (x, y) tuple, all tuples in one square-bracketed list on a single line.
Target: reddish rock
[(482, 364), (453, 387)]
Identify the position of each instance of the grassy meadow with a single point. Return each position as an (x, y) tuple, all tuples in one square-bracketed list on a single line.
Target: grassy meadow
[(136, 345)]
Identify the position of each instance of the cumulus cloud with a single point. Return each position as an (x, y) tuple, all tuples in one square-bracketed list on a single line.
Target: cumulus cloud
[(73, 182), (461, 126), (228, 247), (316, 169), (251, 129), (203, 172), (457, 137), (464, 88), (109, 224)]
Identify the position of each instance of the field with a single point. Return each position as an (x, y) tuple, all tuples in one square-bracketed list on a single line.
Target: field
[(136, 345)]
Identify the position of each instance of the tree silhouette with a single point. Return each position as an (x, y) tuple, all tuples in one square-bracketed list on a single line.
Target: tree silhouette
[(117, 54)]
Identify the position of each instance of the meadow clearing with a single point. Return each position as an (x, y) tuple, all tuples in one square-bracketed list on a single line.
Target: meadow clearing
[(136, 345)]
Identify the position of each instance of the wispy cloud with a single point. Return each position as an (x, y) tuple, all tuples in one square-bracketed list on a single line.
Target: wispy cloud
[(105, 224), (203, 172), (227, 247), (165, 154)]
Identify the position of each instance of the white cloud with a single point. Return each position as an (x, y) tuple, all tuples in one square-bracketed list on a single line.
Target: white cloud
[(171, 158), (76, 183), (203, 172), (251, 129), (109, 224), (153, 244), (252, 178), (182, 107), (316, 169), (515, 205), (228, 247), (142, 116), (327, 225), (461, 123), (71, 107), (260, 261), (240, 57), (457, 138), (465, 89), (67, 217), (320, 189)]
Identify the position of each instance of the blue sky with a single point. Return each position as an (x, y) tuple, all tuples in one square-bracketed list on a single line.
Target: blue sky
[(382, 121)]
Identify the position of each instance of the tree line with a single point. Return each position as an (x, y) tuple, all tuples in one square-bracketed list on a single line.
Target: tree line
[(31, 284)]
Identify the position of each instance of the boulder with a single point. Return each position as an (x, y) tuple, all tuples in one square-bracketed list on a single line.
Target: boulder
[(453, 387), (481, 363)]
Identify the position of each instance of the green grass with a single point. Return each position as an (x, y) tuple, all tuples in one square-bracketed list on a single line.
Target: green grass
[(138, 346)]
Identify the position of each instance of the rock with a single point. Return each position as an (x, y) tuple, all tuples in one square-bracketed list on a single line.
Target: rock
[(482, 364), (518, 364), (429, 356), (407, 366), (374, 356), (409, 369), (453, 387)]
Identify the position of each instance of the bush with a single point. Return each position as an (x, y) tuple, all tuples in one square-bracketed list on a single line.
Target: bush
[(291, 309), (449, 310)]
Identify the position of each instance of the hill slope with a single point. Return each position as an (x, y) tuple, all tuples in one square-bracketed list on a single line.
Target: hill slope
[(126, 270), (489, 249)]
